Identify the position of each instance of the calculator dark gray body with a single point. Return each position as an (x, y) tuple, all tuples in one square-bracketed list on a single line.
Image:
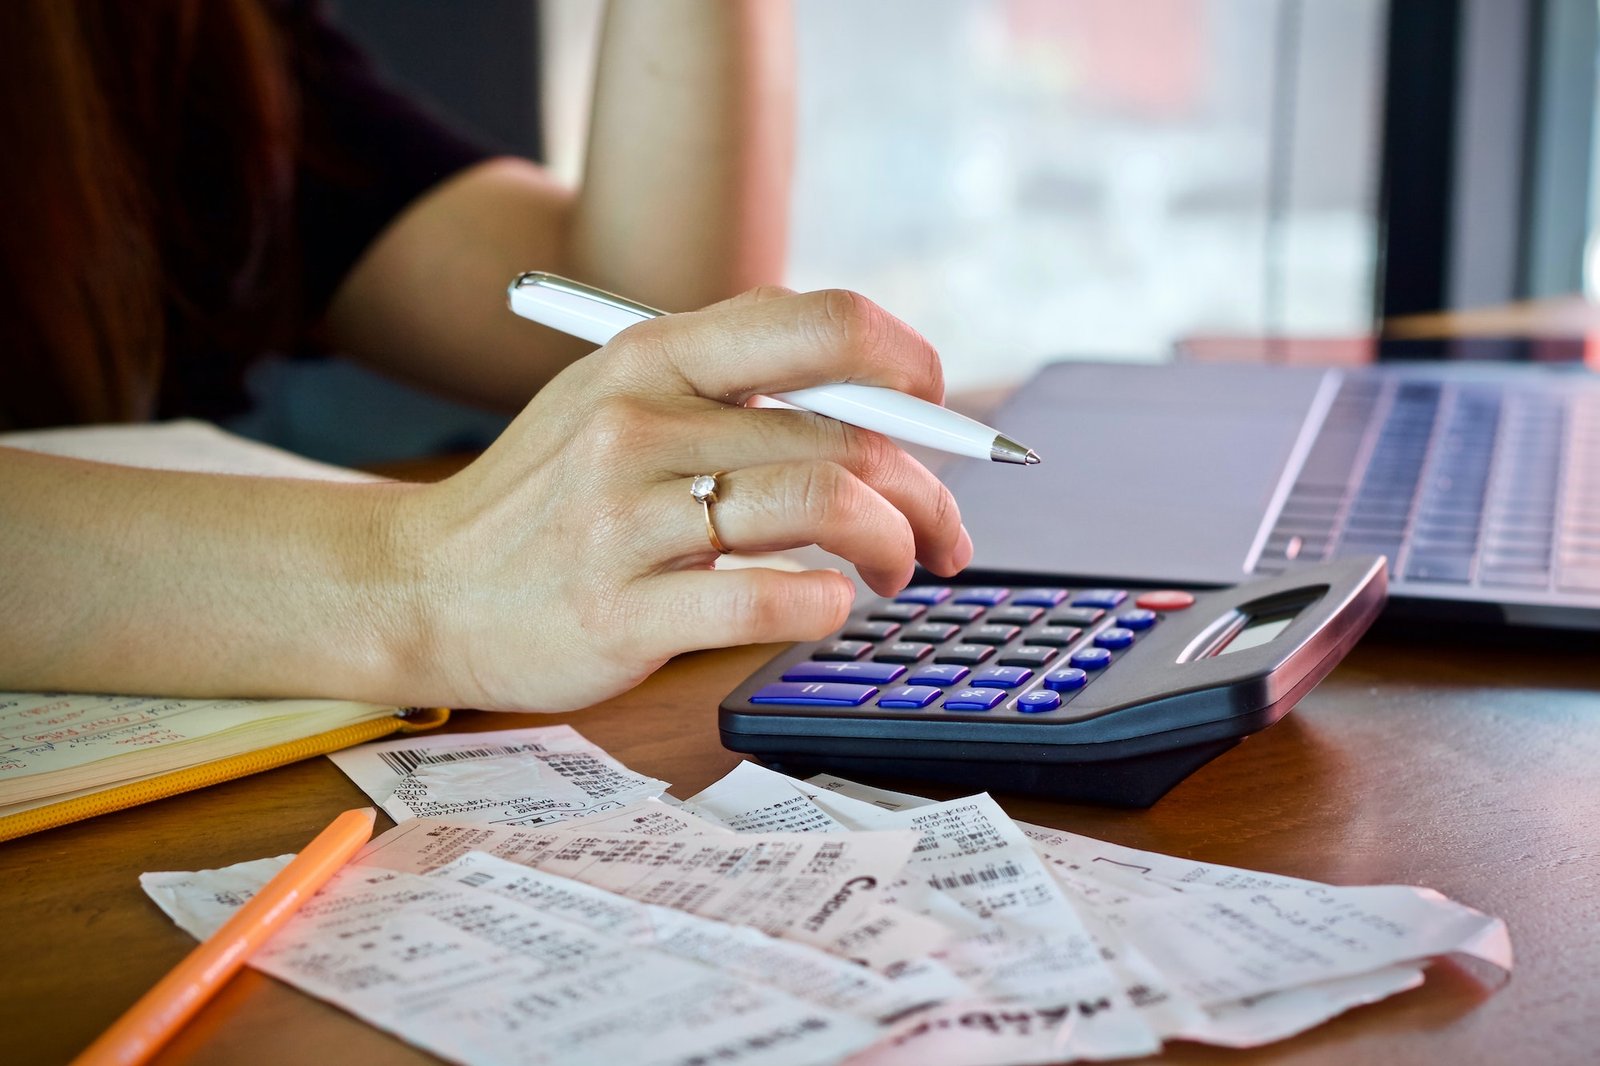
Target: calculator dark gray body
[(1173, 700)]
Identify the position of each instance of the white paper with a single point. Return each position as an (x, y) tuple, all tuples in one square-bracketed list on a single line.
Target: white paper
[(1101, 881), (199, 902), (1016, 939), (480, 978), (878, 797), (823, 890), (988, 941), (1217, 947), (652, 817), (747, 800), (506, 777), (804, 972)]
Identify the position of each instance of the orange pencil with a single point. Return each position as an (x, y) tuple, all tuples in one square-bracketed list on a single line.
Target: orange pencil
[(160, 1012)]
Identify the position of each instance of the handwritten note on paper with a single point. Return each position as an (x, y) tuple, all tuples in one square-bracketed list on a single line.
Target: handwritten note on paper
[(479, 977), (507, 777)]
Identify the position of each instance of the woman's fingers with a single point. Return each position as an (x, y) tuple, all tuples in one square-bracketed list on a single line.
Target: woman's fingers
[(770, 508), (768, 342), (694, 609), (687, 436)]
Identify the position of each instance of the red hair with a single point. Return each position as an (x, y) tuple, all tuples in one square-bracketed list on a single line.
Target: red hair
[(146, 175)]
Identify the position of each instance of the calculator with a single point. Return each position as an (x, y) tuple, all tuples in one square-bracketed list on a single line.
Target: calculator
[(1091, 692)]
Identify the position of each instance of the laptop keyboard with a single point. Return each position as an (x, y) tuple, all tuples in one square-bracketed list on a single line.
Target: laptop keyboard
[(1457, 484)]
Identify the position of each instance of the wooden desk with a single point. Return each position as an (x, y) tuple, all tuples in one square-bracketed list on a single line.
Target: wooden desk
[(1474, 771)]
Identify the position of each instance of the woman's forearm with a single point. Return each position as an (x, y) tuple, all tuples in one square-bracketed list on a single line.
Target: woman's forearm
[(114, 579), (685, 202)]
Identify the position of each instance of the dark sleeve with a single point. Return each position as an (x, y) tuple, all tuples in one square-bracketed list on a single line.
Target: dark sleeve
[(367, 151)]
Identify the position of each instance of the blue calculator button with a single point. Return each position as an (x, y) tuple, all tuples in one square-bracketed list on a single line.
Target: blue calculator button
[(1091, 659), (1106, 598), (1137, 619), (865, 672), (974, 699), (1113, 637), (1066, 679), (1038, 597), (938, 674), (984, 595), (908, 697), (1040, 699), (814, 694), (928, 594), (1000, 677)]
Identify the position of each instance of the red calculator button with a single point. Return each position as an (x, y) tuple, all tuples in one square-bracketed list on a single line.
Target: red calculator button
[(1165, 600)]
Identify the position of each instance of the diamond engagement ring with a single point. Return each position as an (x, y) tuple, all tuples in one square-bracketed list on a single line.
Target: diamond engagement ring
[(704, 490)]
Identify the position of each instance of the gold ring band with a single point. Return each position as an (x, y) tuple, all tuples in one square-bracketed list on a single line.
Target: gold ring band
[(704, 489)]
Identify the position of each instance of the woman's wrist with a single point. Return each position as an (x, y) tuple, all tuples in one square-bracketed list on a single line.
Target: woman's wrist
[(399, 592)]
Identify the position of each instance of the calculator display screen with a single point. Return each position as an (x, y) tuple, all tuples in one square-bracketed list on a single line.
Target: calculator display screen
[(1256, 632)]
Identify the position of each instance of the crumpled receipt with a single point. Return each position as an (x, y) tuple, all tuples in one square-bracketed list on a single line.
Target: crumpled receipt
[(769, 921)]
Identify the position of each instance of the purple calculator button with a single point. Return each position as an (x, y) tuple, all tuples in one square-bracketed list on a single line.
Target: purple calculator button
[(983, 595), (1136, 619), (1038, 597), (814, 694), (909, 697), (928, 594), (974, 699), (1066, 679), (1000, 677), (1040, 699), (865, 672), (938, 674), (1091, 659), (1113, 637), (1106, 598)]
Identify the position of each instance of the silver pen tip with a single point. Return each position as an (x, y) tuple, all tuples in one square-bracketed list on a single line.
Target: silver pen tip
[(1006, 450)]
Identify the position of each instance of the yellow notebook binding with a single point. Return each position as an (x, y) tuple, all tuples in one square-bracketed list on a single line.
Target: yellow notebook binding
[(171, 783)]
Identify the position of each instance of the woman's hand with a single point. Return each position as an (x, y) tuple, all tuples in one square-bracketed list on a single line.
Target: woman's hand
[(571, 560)]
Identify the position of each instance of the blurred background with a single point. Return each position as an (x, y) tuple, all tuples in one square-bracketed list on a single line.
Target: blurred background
[(1027, 180)]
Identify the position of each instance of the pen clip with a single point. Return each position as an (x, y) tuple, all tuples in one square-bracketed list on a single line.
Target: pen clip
[(538, 279)]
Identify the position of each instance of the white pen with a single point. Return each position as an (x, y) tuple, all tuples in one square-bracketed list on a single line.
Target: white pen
[(596, 316)]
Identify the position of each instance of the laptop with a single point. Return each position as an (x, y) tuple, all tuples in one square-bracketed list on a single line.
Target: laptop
[(1479, 482)]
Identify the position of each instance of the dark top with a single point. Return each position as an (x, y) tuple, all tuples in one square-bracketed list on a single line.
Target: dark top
[(365, 152)]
